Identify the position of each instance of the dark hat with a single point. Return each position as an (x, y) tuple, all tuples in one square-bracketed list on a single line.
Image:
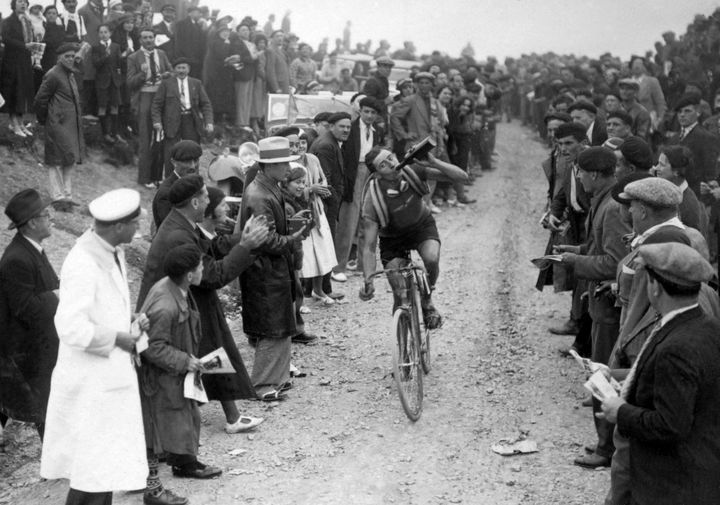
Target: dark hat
[(402, 83), (192, 8), (216, 195), (622, 116), (371, 102), (168, 7), (655, 191), (676, 263), (628, 83), (637, 152), (583, 105), (67, 47), (125, 18), (424, 75), (385, 61), (615, 93), (560, 116), (338, 116), (619, 186), (688, 99), (297, 171), (576, 130), (185, 150), (182, 61), (636, 57), (181, 260), (597, 159), (185, 188), (24, 206), (321, 116), (287, 131)]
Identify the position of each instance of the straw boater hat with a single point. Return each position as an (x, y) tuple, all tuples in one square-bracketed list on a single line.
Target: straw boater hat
[(275, 150)]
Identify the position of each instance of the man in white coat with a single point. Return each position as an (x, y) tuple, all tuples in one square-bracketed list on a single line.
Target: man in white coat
[(94, 430)]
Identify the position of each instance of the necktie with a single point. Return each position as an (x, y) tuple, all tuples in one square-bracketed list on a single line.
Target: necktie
[(182, 94), (683, 133), (153, 66)]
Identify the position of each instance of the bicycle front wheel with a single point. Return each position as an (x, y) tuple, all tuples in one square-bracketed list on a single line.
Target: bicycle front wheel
[(406, 364)]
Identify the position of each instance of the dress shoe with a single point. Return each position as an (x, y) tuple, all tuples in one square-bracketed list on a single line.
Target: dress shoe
[(338, 277), (244, 423), (570, 327), (467, 201), (592, 461), (167, 497), (304, 338), (196, 470)]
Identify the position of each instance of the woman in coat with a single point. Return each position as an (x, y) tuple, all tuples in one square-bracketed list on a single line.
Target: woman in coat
[(16, 71), (57, 105), (244, 74), (127, 36), (259, 100), (219, 81)]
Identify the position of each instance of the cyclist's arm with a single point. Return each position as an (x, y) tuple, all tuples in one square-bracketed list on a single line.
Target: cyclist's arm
[(370, 228), (436, 169)]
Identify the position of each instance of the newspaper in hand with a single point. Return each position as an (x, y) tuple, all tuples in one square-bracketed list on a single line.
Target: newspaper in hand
[(600, 387), (217, 362), (143, 342), (587, 364), (193, 388)]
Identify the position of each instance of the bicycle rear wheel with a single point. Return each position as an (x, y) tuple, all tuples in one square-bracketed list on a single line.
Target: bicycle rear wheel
[(406, 364)]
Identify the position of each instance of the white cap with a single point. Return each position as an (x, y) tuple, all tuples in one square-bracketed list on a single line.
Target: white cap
[(115, 205)]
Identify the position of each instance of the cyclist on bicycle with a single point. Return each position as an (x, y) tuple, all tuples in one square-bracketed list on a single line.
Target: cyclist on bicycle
[(395, 208)]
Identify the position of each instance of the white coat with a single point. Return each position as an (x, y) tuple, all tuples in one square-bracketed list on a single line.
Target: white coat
[(94, 430)]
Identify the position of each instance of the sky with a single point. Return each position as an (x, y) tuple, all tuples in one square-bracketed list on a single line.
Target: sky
[(498, 27)]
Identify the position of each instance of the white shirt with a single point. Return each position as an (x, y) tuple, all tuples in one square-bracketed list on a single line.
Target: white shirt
[(151, 54), (588, 134), (36, 245), (366, 139), (687, 129), (184, 93), (674, 313), (638, 241)]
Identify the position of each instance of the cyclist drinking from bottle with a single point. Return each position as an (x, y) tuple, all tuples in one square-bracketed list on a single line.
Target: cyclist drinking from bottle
[(394, 209)]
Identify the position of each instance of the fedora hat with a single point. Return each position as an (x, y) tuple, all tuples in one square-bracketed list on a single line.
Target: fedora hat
[(24, 206), (275, 150)]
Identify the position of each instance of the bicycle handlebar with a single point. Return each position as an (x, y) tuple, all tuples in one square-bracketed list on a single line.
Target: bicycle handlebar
[(401, 269)]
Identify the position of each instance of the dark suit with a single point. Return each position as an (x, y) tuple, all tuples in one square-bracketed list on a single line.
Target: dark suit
[(672, 415), (169, 46), (107, 66), (190, 43), (703, 146), (599, 134), (328, 151), (28, 342), (161, 205)]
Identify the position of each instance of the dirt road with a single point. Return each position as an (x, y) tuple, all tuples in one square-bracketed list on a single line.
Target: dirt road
[(342, 436)]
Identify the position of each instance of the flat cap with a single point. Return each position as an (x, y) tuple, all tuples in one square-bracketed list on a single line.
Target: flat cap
[(185, 188), (182, 61), (385, 61), (186, 150), (115, 206), (583, 105), (338, 116), (622, 116), (638, 152), (371, 102), (67, 47), (655, 191), (424, 75), (619, 186), (628, 83), (688, 99), (677, 263), (597, 159), (167, 7), (321, 116), (402, 83)]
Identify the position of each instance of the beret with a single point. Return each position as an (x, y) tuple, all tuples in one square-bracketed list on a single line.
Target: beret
[(628, 83), (583, 105), (287, 131), (185, 188), (182, 60), (185, 150), (181, 259), (571, 129), (597, 159), (385, 60), (66, 47), (677, 263), (613, 143), (560, 116), (638, 152), (619, 186), (654, 191), (338, 116), (321, 116), (424, 75), (115, 206), (371, 102), (613, 92), (622, 116), (688, 99)]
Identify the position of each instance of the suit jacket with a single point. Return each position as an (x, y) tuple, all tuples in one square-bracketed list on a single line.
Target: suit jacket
[(169, 46), (599, 133), (29, 343), (190, 43), (651, 96), (420, 121), (562, 206), (328, 151), (161, 205), (277, 72), (703, 146), (602, 252), (136, 76), (351, 153), (108, 66), (672, 414), (167, 106)]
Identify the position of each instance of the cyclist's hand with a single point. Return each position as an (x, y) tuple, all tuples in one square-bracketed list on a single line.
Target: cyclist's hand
[(367, 292)]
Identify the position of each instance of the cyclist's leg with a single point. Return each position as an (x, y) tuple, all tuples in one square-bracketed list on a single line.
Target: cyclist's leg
[(429, 251)]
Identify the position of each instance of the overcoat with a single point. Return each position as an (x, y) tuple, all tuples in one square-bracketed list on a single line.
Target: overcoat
[(94, 430), (172, 422), (16, 73), (267, 286), (57, 106), (28, 341), (223, 261)]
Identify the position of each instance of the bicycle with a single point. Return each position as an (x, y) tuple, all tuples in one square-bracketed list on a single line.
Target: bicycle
[(411, 346)]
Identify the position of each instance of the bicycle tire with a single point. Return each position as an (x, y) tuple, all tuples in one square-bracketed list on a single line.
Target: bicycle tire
[(425, 360), (406, 364)]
